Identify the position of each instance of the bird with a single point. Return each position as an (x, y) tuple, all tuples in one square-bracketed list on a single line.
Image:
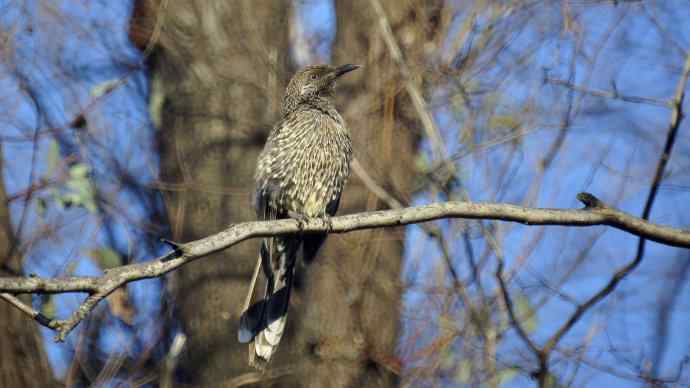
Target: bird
[(300, 174)]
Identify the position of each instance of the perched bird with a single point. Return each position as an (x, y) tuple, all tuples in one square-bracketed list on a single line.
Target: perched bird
[(300, 174)]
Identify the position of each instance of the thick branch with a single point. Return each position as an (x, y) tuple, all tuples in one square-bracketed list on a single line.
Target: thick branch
[(594, 213)]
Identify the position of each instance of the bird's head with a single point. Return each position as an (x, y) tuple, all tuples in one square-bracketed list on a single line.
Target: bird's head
[(313, 82)]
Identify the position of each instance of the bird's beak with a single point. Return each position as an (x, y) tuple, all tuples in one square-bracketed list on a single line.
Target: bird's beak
[(344, 69)]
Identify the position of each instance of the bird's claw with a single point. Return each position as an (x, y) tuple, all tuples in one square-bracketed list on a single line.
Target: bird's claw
[(177, 249), (329, 222), (300, 218), (303, 219)]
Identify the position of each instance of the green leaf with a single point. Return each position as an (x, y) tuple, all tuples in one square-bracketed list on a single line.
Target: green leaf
[(59, 201), (79, 170), (80, 192), (551, 381), (77, 185), (472, 86), (89, 204), (463, 372), (70, 199), (106, 258), (506, 375), (104, 88), (503, 121), (48, 306), (526, 314), (447, 359), (53, 157), (490, 102), (421, 163)]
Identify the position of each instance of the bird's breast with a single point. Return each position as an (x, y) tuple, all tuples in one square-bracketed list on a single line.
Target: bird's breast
[(310, 167)]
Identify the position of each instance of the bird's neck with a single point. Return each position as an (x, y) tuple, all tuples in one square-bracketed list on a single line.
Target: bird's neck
[(323, 103)]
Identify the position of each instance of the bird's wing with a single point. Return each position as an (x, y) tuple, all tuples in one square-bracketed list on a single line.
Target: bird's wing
[(333, 204), (312, 242)]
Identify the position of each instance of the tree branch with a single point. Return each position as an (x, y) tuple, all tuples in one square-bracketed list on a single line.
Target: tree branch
[(420, 105), (99, 287), (508, 302), (676, 119), (36, 315), (614, 94)]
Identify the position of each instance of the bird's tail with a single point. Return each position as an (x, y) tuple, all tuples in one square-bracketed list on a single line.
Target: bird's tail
[(263, 324)]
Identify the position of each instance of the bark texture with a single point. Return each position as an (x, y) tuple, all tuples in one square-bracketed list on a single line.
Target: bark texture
[(218, 71), (353, 325), (23, 362), (216, 76)]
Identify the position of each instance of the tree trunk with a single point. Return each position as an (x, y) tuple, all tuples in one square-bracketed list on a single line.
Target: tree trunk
[(217, 75), (351, 321), (23, 362), (216, 83)]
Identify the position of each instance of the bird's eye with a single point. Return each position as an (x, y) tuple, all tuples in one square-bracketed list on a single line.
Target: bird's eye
[(313, 77)]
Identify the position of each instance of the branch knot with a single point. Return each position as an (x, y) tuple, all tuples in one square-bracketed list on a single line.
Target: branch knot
[(590, 201)]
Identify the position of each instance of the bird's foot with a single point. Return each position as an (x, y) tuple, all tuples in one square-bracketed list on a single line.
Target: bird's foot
[(328, 221), (176, 249), (300, 218)]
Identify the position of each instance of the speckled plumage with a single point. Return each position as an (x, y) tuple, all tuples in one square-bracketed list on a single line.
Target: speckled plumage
[(301, 172), (305, 163)]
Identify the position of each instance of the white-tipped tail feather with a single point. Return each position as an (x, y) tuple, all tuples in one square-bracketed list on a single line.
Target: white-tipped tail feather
[(263, 324), (266, 343)]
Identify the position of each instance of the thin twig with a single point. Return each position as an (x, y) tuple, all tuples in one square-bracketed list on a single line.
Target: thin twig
[(36, 315), (433, 231), (610, 94), (508, 302), (622, 273)]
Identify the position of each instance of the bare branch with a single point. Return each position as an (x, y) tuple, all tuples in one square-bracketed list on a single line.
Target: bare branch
[(620, 274), (614, 95), (508, 302), (432, 132), (36, 315), (594, 213), (432, 231)]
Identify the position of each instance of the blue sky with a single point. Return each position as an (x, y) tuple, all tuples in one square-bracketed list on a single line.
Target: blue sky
[(119, 135)]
